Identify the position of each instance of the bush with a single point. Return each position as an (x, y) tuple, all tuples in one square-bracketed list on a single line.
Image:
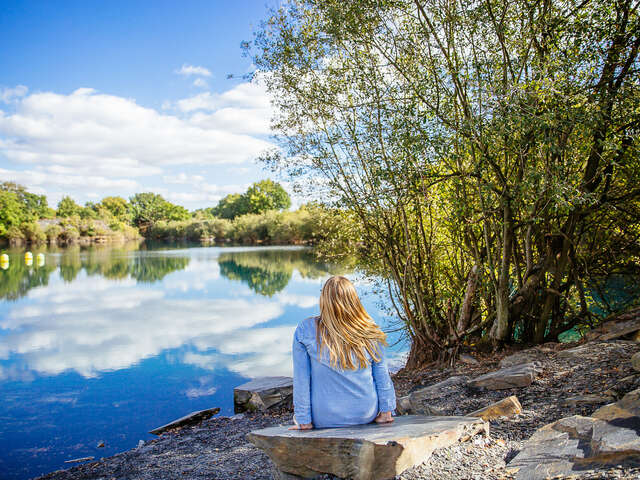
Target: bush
[(33, 233), (70, 234), (14, 235), (53, 232)]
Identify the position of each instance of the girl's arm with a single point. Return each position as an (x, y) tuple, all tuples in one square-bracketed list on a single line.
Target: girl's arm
[(301, 383), (384, 385)]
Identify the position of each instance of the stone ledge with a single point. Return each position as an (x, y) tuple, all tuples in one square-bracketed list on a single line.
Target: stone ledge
[(363, 452)]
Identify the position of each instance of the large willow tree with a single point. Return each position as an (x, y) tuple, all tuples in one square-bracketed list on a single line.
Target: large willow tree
[(489, 150)]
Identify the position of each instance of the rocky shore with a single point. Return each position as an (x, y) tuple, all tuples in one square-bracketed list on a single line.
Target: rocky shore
[(568, 380)]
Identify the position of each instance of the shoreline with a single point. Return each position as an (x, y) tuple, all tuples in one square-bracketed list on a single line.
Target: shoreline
[(216, 448)]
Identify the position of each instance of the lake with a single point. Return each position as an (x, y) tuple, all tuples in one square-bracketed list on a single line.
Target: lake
[(103, 344)]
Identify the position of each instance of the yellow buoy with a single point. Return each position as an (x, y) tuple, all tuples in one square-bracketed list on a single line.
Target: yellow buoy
[(28, 261), (40, 259), (4, 258)]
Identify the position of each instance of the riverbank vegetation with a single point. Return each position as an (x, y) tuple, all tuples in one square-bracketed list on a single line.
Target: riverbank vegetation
[(489, 152), (258, 216)]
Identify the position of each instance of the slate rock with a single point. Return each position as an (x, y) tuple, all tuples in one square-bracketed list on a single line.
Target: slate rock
[(507, 407), (363, 452), (635, 361), (574, 353), (575, 445), (419, 401), (263, 393), (468, 359), (525, 356), (510, 377), (579, 400), (190, 419)]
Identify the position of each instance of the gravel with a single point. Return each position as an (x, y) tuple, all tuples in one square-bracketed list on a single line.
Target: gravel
[(217, 449)]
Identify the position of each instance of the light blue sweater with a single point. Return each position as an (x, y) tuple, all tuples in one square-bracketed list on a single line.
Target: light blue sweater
[(329, 397)]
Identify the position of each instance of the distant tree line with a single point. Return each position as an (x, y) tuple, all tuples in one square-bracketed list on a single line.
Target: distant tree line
[(258, 215)]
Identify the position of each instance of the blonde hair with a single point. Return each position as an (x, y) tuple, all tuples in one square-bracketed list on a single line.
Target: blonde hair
[(345, 327)]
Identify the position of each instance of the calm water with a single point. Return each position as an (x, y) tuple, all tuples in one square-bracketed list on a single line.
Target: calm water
[(104, 344)]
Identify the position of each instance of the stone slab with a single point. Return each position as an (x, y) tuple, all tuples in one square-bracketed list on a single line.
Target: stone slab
[(363, 452), (575, 445), (525, 356), (635, 361), (263, 393), (190, 419), (419, 401), (507, 407), (510, 377)]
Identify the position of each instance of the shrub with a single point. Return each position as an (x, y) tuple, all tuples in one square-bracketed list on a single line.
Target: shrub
[(53, 232), (33, 233)]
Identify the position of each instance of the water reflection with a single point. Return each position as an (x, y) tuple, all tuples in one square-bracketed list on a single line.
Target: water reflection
[(268, 272), (122, 340)]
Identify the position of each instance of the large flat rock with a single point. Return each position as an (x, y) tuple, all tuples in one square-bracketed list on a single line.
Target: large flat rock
[(576, 445), (510, 377), (419, 401), (263, 393), (363, 452)]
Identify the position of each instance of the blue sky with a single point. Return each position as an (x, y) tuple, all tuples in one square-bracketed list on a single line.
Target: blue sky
[(114, 97)]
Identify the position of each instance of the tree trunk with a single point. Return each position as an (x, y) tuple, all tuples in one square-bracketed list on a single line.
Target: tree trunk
[(500, 329)]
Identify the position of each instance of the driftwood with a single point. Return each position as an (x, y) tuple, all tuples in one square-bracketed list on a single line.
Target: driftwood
[(191, 419)]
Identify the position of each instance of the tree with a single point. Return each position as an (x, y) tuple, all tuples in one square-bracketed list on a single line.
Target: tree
[(260, 197), (267, 195), (11, 211), (34, 206), (489, 150), (231, 206), (67, 207), (117, 206), (148, 208)]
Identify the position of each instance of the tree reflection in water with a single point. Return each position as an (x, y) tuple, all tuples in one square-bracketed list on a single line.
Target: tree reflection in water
[(268, 272), (112, 262)]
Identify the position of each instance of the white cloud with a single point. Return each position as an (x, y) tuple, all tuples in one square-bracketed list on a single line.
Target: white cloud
[(188, 70), (200, 82), (122, 329), (89, 142), (9, 94)]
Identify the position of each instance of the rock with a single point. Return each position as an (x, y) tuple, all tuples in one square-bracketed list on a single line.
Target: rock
[(627, 407), (574, 353), (419, 401), (263, 393), (511, 377), (468, 359), (79, 460), (363, 452), (525, 356), (191, 419), (627, 324), (506, 407), (575, 445), (579, 400), (403, 405), (635, 361)]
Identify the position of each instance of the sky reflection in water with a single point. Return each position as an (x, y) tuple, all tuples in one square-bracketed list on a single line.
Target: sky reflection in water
[(104, 344)]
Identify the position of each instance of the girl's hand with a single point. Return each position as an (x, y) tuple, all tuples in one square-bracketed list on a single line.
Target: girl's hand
[(384, 417), (304, 426)]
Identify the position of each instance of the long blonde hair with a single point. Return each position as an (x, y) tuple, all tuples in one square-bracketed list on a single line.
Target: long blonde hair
[(345, 327)]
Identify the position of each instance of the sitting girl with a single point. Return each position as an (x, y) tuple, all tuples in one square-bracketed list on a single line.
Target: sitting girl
[(340, 375)]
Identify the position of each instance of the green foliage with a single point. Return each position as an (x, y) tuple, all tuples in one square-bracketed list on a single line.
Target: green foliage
[(266, 195), (260, 197), (11, 213), (149, 208), (34, 206), (33, 233), (231, 206), (487, 152), (67, 207), (118, 207), (53, 232)]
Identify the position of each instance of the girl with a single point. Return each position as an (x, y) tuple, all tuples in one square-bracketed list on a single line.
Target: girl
[(340, 375)]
